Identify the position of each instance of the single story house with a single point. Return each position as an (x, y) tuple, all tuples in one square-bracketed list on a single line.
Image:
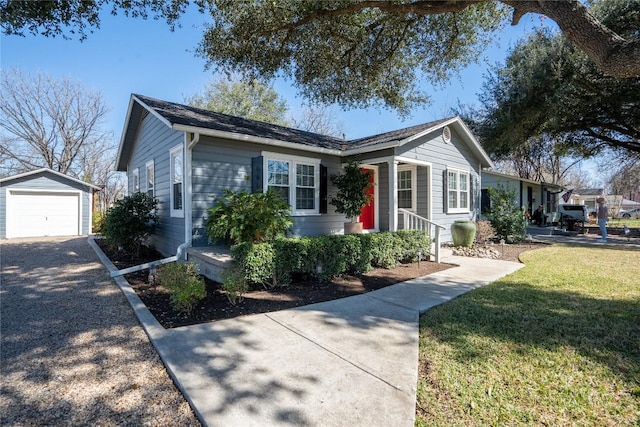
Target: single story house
[(529, 194), (44, 202), (187, 156), (587, 197)]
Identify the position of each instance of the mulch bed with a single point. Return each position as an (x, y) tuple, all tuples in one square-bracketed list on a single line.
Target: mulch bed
[(216, 305)]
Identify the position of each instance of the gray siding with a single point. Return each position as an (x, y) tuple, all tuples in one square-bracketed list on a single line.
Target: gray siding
[(46, 181), (154, 142), (455, 154), (220, 164)]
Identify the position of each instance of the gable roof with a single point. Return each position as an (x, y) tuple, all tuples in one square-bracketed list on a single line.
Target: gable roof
[(51, 171), (190, 119), (517, 178)]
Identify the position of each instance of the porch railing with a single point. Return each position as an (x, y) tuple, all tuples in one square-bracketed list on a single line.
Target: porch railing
[(412, 221)]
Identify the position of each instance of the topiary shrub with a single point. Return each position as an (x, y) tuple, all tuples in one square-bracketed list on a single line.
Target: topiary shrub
[(505, 216), (130, 221), (184, 283), (248, 217)]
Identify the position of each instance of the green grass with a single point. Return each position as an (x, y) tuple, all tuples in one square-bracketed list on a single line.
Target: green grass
[(556, 343), (620, 222)]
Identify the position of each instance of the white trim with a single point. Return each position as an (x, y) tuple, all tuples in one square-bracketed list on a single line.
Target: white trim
[(293, 162), (37, 171), (414, 185), (413, 161), (176, 213), (9, 227), (151, 110), (150, 165), (257, 139), (393, 193), (135, 175), (468, 191)]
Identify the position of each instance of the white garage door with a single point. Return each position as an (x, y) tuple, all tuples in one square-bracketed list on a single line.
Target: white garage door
[(33, 214)]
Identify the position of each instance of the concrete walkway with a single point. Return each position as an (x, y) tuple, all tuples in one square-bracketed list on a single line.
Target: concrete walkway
[(348, 362)]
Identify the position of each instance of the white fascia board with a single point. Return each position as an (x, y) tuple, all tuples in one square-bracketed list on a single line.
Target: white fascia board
[(37, 171), (429, 130), (151, 110), (256, 139), (370, 148)]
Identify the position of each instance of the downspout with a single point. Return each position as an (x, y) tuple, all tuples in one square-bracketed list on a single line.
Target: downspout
[(188, 189), (188, 220)]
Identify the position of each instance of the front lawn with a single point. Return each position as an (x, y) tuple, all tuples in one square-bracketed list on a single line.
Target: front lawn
[(556, 343)]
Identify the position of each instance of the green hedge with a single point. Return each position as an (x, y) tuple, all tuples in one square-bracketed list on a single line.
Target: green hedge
[(323, 257)]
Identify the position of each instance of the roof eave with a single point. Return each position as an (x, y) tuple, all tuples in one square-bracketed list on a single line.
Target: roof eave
[(37, 171), (256, 139)]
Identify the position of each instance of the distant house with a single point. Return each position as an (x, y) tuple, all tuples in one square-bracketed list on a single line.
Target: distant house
[(529, 194), (186, 157), (587, 197), (44, 202)]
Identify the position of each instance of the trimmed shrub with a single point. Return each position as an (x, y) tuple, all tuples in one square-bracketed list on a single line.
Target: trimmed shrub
[(186, 286), (130, 221), (256, 261), (277, 263)]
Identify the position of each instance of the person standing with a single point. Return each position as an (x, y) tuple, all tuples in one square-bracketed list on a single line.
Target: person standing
[(603, 215)]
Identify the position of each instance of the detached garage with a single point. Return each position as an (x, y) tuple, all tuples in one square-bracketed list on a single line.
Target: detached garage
[(45, 203)]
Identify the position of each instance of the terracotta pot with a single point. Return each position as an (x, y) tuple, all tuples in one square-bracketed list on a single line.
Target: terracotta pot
[(463, 233), (352, 228)]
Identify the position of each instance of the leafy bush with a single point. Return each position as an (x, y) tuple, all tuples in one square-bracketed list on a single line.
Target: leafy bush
[(505, 216), (186, 286), (410, 242), (130, 221), (352, 185), (248, 217), (234, 284), (97, 222)]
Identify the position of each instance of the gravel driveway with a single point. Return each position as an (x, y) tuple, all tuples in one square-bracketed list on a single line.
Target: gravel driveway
[(71, 350)]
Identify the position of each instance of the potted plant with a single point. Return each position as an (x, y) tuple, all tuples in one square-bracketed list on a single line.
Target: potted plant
[(352, 185)]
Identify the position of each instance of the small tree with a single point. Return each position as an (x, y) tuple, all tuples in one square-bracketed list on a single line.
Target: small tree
[(352, 185), (248, 217), (505, 215), (130, 221)]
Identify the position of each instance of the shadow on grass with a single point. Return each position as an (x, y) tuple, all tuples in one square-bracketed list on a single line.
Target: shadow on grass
[(605, 331)]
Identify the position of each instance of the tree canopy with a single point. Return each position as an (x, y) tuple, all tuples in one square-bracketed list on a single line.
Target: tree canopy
[(352, 52), (549, 89), (251, 100)]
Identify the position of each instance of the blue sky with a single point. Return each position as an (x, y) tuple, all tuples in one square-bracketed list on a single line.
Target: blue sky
[(140, 56)]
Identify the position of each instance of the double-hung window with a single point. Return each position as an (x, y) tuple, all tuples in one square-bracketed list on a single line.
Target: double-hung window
[(457, 191), (407, 187), (177, 177), (150, 178), (295, 180)]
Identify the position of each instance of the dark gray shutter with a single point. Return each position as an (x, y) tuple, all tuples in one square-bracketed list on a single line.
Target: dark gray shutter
[(445, 189), (323, 189), (257, 174), (472, 193)]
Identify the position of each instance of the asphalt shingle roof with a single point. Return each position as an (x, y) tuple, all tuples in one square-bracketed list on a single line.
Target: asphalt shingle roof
[(189, 116)]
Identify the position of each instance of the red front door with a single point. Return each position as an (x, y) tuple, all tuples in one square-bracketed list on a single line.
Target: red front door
[(368, 213)]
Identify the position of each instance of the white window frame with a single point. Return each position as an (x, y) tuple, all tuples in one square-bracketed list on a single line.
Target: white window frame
[(294, 161), (150, 166), (178, 149), (414, 183), (458, 191), (135, 176)]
